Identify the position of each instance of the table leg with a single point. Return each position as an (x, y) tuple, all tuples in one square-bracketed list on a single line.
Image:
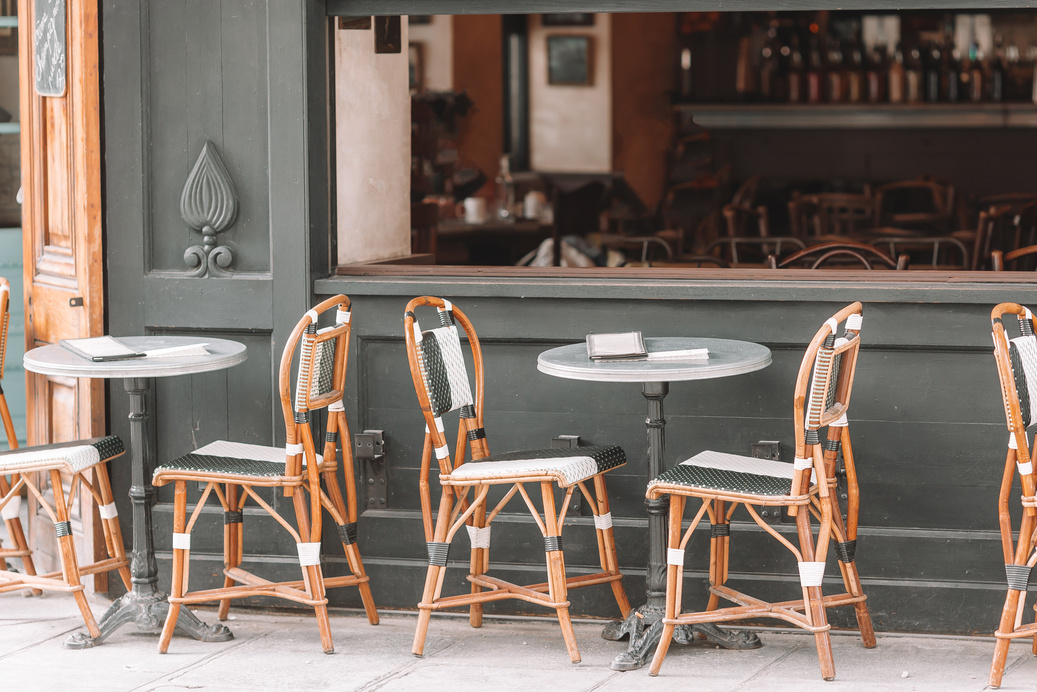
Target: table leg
[(644, 624), (145, 605)]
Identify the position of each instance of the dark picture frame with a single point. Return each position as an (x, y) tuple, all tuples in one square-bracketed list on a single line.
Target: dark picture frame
[(569, 60), (568, 19)]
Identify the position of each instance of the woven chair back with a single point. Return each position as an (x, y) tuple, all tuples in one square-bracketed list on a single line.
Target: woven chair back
[(5, 320), (1015, 349), (441, 379), (322, 355), (826, 373)]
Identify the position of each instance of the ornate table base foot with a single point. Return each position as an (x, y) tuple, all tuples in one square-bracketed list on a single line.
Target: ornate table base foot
[(645, 627), (148, 612)]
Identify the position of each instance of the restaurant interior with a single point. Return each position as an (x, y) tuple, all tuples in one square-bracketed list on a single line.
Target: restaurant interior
[(762, 140)]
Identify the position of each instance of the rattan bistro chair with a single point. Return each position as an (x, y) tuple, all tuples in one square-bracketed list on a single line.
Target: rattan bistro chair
[(297, 470), (27, 469), (437, 366), (1017, 370), (806, 488)]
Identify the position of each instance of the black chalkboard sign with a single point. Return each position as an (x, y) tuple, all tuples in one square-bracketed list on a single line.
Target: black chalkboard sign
[(49, 40)]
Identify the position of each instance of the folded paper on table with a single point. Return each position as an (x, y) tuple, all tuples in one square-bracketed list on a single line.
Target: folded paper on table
[(682, 354), (100, 348), (624, 345), (178, 351)]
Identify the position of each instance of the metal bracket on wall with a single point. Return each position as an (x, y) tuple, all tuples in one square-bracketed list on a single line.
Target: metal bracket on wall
[(769, 449), (570, 441), (369, 449)]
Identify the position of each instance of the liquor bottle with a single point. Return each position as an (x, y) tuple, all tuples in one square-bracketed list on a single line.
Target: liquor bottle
[(687, 84), (977, 81), (834, 72), (747, 87), (796, 76), (814, 73), (931, 77), (950, 78), (876, 75), (913, 76), (855, 77), (769, 66), (996, 78), (896, 78)]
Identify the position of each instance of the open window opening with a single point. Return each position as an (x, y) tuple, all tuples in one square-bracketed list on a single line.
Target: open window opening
[(731, 144)]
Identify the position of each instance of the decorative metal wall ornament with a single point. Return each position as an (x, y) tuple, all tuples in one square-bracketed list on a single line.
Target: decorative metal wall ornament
[(209, 205)]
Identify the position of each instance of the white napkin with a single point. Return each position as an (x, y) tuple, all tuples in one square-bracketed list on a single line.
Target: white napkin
[(178, 351), (683, 354)]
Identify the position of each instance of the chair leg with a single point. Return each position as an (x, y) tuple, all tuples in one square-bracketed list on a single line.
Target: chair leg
[(814, 604), (313, 578), (607, 545), (179, 578), (435, 575), (233, 537), (69, 563), (556, 570), (356, 565), (16, 533), (478, 565), (719, 547), (1007, 624), (111, 526), (674, 577)]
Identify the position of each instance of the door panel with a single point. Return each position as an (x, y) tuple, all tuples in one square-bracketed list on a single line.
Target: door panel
[(61, 174)]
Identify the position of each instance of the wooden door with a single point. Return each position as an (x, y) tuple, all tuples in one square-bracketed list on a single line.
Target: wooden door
[(61, 216)]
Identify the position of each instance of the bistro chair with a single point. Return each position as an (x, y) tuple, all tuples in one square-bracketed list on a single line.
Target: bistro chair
[(924, 205), (441, 381), (831, 214), (804, 488), (1023, 259), (940, 251), (28, 469), (1016, 359), (233, 471), (845, 255), (754, 250)]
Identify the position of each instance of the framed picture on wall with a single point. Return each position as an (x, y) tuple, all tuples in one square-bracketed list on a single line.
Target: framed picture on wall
[(416, 67), (568, 19), (569, 60)]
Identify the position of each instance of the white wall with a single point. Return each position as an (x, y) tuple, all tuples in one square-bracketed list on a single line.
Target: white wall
[(570, 127), (437, 45), (372, 103)]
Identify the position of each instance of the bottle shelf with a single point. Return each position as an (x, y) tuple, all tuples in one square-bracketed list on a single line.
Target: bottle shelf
[(783, 116)]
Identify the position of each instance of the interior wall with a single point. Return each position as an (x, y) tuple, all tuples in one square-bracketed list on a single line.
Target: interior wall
[(570, 127), (644, 50), (372, 110), (478, 69), (437, 53)]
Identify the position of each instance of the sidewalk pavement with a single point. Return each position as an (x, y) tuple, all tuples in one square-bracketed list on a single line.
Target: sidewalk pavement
[(276, 651)]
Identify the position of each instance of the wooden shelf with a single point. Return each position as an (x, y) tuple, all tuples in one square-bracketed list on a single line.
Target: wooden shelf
[(839, 116)]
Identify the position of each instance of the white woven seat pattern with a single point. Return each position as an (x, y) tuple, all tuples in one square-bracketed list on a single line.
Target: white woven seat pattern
[(71, 458), (736, 462), (568, 466), (241, 450)]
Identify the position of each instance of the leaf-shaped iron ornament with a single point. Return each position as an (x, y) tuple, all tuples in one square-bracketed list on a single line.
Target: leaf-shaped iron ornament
[(209, 205)]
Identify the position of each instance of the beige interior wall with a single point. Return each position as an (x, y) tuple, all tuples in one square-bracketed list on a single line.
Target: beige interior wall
[(437, 50), (570, 127), (372, 110)]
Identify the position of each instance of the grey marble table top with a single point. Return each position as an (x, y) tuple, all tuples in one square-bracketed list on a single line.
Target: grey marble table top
[(55, 359), (726, 357)]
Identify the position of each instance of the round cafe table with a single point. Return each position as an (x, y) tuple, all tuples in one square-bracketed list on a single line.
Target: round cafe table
[(145, 605), (726, 358)]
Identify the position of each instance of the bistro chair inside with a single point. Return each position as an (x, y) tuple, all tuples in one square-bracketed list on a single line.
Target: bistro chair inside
[(1015, 352), (806, 489), (466, 477), (234, 473), (82, 467)]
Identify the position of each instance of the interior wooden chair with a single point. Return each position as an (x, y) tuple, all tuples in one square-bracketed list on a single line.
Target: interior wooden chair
[(1006, 227), (924, 205), (806, 488), (1016, 359), (940, 251), (1023, 259), (233, 471), (441, 381), (835, 215), (27, 470), (749, 250), (840, 254)]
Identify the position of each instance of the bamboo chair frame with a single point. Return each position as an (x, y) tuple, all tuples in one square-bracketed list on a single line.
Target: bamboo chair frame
[(301, 481), (456, 509), (1019, 555), (805, 500), (30, 478)]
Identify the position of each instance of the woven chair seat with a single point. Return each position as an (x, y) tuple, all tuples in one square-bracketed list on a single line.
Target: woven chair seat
[(568, 466), (730, 473), (222, 458), (70, 457)]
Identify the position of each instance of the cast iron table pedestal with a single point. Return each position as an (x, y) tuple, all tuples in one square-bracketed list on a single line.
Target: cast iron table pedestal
[(726, 357), (144, 605)]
